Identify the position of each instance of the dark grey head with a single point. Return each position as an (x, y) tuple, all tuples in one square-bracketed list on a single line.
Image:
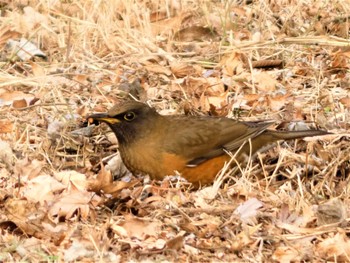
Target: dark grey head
[(127, 118)]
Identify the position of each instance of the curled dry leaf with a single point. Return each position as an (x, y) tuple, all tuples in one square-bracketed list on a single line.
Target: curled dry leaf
[(104, 178), (74, 201), (38, 71), (18, 98), (25, 49)]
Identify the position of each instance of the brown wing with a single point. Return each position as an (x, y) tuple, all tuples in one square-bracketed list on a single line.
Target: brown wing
[(206, 137)]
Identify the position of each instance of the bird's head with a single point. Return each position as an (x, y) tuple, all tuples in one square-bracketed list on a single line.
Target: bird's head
[(127, 119)]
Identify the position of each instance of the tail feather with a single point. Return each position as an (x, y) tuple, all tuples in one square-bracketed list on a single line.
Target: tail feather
[(290, 135)]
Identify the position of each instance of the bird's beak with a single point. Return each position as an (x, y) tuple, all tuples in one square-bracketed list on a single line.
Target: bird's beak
[(102, 117)]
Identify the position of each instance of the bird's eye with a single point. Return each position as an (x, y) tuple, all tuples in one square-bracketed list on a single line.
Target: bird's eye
[(129, 116)]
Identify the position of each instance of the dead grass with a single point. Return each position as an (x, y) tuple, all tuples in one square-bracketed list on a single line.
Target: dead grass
[(57, 198)]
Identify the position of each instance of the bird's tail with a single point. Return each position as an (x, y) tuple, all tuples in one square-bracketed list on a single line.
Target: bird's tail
[(290, 135)]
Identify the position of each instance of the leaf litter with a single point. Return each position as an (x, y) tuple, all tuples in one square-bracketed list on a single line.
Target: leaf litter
[(65, 194)]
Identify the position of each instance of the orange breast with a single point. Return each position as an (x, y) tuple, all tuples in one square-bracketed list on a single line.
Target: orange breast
[(149, 160), (201, 174)]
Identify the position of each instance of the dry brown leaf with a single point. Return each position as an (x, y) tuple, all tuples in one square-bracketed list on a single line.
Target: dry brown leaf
[(181, 69), (333, 211), (175, 243), (6, 33), (244, 238), (83, 79), (167, 26), (82, 111), (74, 201), (340, 60), (26, 215), (17, 104), (38, 71), (6, 154), (134, 227), (104, 179), (196, 33), (28, 169), (72, 177), (8, 97), (345, 101), (158, 69), (248, 209), (278, 102), (42, 189), (6, 126), (286, 254), (265, 82), (335, 248), (232, 64)]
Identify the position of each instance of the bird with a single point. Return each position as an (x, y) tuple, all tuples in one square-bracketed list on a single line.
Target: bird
[(196, 147)]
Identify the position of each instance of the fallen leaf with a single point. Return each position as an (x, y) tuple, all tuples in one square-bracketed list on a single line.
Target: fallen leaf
[(42, 188), (196, 33), (74, 201), (77, 251), (286, 254), (6, 126), (26, 215), (175, 243), (335, 248), (244, 238), (72, 177), (333, 211), (17, 104), (8, 97), (248, 209), (6, 153), (139, 228), (28, 169), (265, 82), (25, 49)]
